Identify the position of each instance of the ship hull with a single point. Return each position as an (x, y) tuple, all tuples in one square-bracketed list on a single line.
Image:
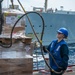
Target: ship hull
[(53, 21)]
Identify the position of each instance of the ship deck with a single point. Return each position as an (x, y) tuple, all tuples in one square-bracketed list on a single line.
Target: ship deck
[(71, 71)]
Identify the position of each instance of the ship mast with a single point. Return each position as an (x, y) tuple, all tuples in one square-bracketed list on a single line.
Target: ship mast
[(46, 5), (12, 4)]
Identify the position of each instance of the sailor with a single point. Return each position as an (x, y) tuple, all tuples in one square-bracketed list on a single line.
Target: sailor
[(59, 50)]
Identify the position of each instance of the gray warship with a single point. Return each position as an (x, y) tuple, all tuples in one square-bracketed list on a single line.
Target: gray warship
[(53, 21)]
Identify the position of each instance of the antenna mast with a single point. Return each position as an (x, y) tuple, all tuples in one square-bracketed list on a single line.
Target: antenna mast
[(46, 1)]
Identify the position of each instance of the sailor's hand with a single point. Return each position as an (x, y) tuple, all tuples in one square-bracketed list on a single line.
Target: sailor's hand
[(44, 49)]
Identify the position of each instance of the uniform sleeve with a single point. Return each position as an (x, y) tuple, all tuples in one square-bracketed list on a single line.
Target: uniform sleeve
[(64, 51)]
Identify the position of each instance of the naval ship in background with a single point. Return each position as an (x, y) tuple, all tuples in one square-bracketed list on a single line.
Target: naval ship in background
[(54, 19)]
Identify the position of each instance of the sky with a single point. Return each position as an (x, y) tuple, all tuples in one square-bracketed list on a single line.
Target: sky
[(29, 4)]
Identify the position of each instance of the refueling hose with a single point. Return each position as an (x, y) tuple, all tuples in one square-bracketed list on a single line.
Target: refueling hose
[(39, 40)]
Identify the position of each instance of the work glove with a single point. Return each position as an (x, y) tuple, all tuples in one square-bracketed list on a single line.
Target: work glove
[(44, 49)]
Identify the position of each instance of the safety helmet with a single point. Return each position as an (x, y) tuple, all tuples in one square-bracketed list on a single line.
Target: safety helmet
[(63, 31)]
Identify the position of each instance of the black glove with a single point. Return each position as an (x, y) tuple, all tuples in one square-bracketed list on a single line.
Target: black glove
[(44, 49)]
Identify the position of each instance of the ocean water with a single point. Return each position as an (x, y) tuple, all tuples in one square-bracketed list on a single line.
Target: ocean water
[(40, 64)]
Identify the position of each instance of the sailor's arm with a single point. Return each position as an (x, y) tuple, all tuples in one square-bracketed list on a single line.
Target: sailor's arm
[(65, 56)]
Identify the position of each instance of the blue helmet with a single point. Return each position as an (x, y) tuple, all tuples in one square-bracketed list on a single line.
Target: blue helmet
[(63, 31)]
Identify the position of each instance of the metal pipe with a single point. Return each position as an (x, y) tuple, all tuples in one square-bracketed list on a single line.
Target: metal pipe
[(12, 4), (46, 1)]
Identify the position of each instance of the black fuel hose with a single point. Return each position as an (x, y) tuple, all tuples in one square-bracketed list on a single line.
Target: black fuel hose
[(40, 41)]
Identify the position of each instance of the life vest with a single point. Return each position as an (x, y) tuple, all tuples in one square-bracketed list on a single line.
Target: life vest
[(55, 51)]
